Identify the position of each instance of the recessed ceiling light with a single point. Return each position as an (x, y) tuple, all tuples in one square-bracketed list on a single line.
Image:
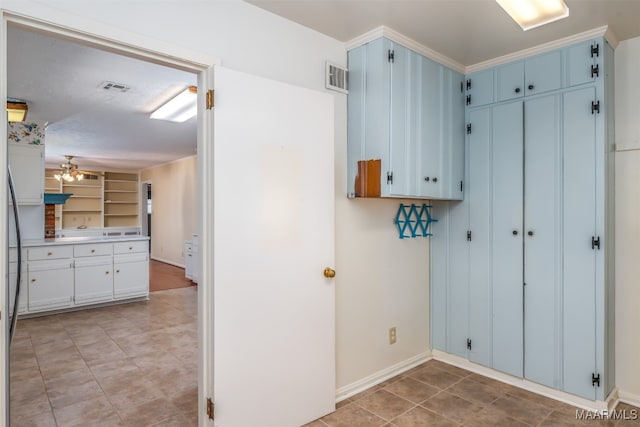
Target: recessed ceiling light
[(534, 13)]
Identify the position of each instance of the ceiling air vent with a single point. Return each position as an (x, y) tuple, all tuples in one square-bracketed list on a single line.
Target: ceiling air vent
[(336, 78), (120, 87)]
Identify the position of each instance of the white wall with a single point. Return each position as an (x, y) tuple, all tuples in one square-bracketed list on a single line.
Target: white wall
[(174, 212), (381, 281), (627, 112)]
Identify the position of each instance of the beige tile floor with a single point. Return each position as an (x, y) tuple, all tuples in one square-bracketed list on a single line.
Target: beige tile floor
[(127, 365), (438, 394)]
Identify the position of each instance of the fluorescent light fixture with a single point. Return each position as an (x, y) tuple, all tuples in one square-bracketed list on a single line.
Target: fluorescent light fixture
[(16, 111), (180, 108), (534, 13)]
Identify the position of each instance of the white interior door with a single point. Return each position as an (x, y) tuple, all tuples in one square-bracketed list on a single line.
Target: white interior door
[(274, 315)]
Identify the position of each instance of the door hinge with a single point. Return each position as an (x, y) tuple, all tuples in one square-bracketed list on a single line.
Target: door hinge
[(595, 380), (595, 107), (595, 70), (469, 129), (389, 177), (595, 50), (391, 55), (460, 185), (210, 408), (468, 99), (210, 99), (595, 242), (468, 84), (468, 343), (469, 235)]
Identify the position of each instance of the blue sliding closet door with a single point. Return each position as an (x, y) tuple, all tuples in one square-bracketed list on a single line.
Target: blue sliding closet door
[(506, 238), (543, 252), (579, 276)]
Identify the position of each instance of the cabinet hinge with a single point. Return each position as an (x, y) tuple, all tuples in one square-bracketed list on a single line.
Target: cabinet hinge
[(468, 99), (595, 107), (461, 87), (595, 242), (460, 185), (391, 55), (469, 129), (595, 70), (468, 343), (469, 235), (389, 177), (595, 50), (210, 99), (468, 84), (595, 380), (210, 408)]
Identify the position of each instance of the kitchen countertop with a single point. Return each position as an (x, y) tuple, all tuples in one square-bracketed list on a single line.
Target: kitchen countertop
[(80, 240)]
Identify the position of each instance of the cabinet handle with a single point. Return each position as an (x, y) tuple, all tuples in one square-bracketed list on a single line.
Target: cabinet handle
[(106, 272), (531, 87), (517, 90), (33, 280), (435, 179), (117, 271), (189, 255), (93, 250), (49, 253), (130, 248), (426, 179), (530, 233), (515, 232)]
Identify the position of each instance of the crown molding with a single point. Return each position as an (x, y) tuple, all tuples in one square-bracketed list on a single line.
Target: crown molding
[(393, 35), (546, 47)]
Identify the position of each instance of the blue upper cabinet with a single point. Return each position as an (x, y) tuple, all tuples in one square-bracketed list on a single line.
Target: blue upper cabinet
[(543, 73), (582, 63), (510, 81), (405, 126), (479, 87)]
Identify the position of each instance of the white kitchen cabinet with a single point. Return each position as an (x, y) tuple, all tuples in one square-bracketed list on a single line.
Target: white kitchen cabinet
[(24, 292), (50, 284), (131, 275), (27, 167), (93, 278)]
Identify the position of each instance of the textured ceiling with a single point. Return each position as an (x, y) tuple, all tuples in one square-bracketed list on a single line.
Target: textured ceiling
[(467, 31), (104, 129)]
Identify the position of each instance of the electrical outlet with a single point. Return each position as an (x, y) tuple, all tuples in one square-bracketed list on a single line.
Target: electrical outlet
[(392, 335)]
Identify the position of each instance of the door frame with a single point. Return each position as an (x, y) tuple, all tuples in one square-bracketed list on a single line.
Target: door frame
[(58, 24)]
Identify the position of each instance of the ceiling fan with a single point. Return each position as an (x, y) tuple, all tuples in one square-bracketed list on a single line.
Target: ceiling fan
[(69, 172)]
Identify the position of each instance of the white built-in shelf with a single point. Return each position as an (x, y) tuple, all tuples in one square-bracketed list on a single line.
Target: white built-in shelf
[(120, 180), (81, 210), (86, 197), (119, 202), (120, 214), (81, 185)]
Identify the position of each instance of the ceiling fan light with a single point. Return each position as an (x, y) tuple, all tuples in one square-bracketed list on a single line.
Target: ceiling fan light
[(534, 13), (180, 108), (57, 176), (79, 177)]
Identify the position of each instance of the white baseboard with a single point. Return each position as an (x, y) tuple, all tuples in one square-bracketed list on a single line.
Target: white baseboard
[(592, 405), (349, 390), (629, 398), (166, 261)]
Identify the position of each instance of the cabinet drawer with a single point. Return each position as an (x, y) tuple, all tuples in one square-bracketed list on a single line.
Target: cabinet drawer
[(49, 252), (92, 249), (123, 259), (59, 264), (93, 261), (130, 247)]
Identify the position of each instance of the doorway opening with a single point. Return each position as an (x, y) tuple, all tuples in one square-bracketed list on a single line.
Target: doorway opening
[(81, 352)]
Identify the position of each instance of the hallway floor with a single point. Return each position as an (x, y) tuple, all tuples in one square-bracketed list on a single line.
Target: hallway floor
[(126, 365), (442, 395)]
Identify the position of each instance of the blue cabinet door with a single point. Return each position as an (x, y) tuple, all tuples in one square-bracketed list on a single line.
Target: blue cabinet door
[(479, 226), (429, 126), (402, 131), (438, 275), (452, 159), (507, 238), (510, 81), (480, 88), (542, 255), (543, 73), (579, 255), (579, 62)]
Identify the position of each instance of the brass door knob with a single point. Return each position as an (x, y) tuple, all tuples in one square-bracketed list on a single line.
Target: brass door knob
[(329, 273)]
